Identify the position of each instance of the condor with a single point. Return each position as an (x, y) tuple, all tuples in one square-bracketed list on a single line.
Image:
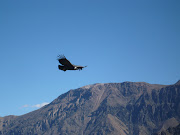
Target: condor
[(66, 64)]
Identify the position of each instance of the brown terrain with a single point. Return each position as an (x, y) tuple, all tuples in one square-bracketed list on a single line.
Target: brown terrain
[(129, 108)]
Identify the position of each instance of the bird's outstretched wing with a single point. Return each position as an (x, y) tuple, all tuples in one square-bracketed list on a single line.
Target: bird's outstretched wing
[(62, 60)]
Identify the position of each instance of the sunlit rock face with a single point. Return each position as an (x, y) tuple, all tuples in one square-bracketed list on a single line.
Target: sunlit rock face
[(129, 108)]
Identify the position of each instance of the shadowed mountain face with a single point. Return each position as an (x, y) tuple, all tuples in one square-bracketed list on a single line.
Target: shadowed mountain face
[(170, 131), (112, 108)]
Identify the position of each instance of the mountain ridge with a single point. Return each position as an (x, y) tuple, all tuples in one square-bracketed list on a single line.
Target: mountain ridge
[(109, 108)]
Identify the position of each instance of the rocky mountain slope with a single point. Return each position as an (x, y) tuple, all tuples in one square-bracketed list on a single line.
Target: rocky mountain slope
[(170, 131), (129, 108)]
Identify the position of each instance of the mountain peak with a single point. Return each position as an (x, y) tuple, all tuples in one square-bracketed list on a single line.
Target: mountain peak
[(177, 83), (92, 85)]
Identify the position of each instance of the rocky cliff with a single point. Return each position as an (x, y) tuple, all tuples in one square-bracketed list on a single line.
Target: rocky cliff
[(129, 108)]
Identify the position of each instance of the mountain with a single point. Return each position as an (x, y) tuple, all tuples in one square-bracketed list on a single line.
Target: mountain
[(170, 131), (128, 108)]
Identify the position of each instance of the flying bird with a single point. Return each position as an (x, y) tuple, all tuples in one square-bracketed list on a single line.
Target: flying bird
[(66, 64)]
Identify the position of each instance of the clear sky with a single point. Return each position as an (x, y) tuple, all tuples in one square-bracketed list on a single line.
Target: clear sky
[(119, 40)]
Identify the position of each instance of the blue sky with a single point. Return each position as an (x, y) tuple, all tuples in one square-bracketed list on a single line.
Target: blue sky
[(119, 40)]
